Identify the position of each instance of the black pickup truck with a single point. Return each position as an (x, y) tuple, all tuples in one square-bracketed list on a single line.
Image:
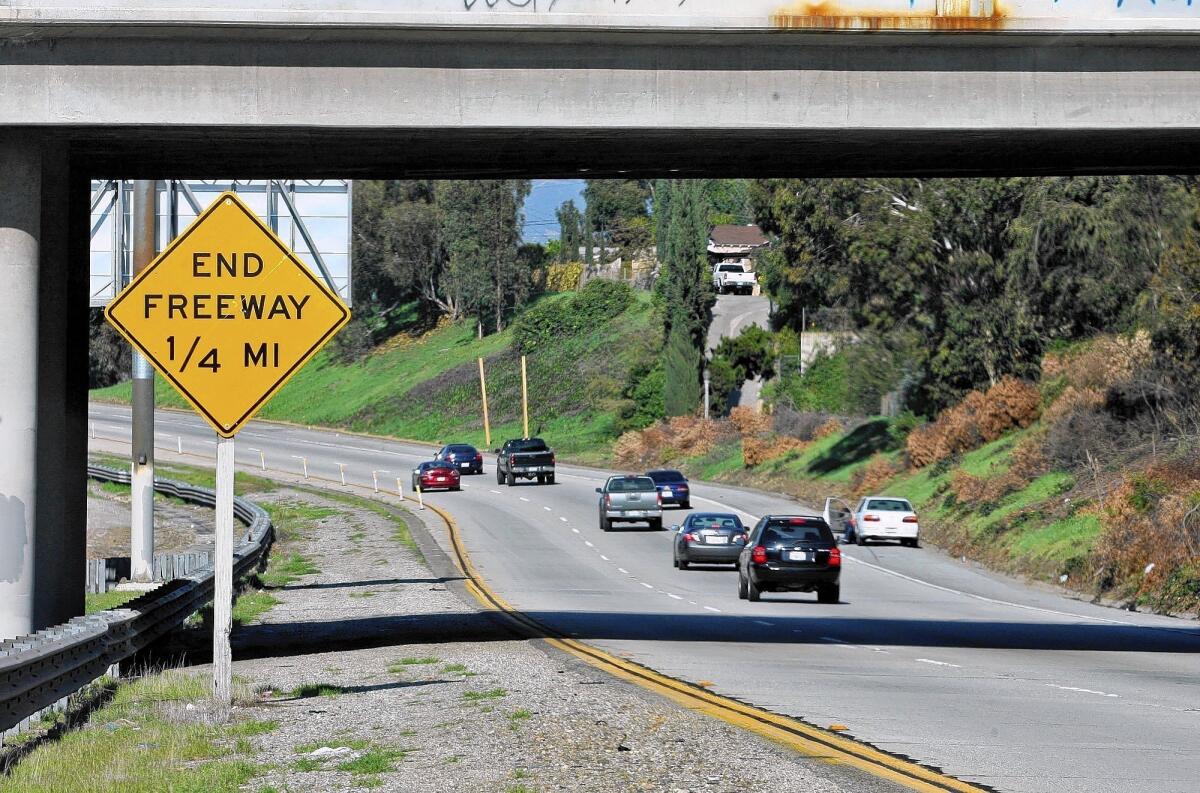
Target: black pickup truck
[(527, 458)]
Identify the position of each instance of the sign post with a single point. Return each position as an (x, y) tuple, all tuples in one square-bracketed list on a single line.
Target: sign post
[(227, 314)]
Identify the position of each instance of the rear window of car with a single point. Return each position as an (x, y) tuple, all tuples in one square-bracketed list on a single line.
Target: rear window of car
[(431, 466), (529, 445), (714, 522), (630, 484), (731, 268), (461, 449), (889, 505), (796, 530), (662, 477)]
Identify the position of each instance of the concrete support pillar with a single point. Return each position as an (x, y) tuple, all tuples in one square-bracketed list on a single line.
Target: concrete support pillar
[(142, 486), (20, 236), (43, 404)]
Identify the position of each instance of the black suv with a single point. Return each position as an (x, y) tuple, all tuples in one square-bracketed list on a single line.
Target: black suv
[(790, 553)]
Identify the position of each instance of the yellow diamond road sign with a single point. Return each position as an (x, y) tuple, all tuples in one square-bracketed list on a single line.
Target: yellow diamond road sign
[(227, 313)]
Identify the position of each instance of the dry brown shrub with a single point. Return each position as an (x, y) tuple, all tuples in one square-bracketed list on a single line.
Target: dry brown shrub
[(749, 422), (756, 451), (1106, 361), (967, 488), (682, 436), (1070, 399), (832, 427), (873, 476), (978, 419)]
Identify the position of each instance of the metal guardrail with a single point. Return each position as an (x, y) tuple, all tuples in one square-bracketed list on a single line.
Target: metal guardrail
[(38, 672)]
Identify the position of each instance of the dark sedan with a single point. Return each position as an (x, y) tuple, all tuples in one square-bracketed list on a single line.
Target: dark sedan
[(464, 457), (436, 475), (673, 487), (790, 553), (709, 538)]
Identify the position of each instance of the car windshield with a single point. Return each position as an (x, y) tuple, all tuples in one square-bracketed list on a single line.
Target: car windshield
[(727, 522), (666, 477), (528, 445), (889, 505), (791, 530), (630, 484)]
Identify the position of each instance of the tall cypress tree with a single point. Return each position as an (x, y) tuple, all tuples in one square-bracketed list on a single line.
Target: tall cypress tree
[(686, 293)]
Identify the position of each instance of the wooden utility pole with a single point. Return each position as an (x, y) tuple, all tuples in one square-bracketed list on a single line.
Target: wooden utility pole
[(487, 426), (524, 398)]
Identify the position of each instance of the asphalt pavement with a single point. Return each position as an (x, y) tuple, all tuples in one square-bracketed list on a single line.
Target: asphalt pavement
[(994, 682), (731, 315)]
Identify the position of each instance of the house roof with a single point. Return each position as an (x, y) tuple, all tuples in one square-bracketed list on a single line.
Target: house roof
[(727, 234)]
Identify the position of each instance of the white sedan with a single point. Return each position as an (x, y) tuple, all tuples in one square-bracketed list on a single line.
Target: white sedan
[(886, 518)]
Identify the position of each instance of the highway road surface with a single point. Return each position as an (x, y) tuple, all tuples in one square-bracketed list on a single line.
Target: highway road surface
[(993, 682), (731, 315)]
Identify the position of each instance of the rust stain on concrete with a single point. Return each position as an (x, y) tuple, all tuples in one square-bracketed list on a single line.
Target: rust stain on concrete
[(947, 15)]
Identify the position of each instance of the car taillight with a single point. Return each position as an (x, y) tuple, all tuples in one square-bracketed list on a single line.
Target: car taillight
[(478, 457), (871, 517), (607, 500), (910, 519), (691, 537), (659, 495), (759, 555), (835, 557), (552, 457), (512, 460)]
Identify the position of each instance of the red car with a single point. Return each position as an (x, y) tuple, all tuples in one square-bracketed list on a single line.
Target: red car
[(436, 475)]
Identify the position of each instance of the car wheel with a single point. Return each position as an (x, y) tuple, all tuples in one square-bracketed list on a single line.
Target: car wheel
[(675, 562), (541, 479), (656, 525), (456, 488), (742, 592), (605, 524), (859, 539), (685, 505), (829, 593), (549, 479), (752, 592), (684, 564), (499, 477), (510, 479)]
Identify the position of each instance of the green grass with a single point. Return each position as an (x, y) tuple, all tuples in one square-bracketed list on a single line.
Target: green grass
[(137, 744), (400, 531), (106, 600), (454, 669), (378, 760), (1060, 541), (404, 663), (357, 744), (251, 605), (574, 385), (309, 690), (283, 571), (481, 696)]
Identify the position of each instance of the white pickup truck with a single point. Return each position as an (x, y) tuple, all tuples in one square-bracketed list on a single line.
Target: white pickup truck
[(733, 277)]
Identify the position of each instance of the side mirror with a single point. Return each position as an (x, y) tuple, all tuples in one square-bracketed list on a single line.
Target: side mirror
[(675, 528), (495, 451), (599, 490)]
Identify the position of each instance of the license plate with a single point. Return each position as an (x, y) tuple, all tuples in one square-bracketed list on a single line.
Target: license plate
[(635, 513), (464, 465), (716, 539), (799, 556), (666, 491)]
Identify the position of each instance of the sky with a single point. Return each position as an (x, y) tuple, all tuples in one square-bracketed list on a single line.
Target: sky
[(546, 196)]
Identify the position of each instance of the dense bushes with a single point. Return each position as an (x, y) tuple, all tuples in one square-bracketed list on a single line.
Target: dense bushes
[(551, 320)]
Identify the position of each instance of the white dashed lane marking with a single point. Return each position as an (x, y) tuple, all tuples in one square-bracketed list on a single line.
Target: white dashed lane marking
[(937, 663), (710, 608), (622, 570), (1082, 690), (588, 544), (648, 586), (523, 499), (605, 558)]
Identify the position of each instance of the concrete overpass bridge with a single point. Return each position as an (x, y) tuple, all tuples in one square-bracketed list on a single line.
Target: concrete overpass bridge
[(546, 88)]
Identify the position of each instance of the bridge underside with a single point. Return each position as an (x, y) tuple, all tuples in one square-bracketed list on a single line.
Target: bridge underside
[(192, 102), (448, 153)]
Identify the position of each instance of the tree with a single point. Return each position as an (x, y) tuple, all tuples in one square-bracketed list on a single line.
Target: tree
[(685, 291), (481, 225), (570, 231)]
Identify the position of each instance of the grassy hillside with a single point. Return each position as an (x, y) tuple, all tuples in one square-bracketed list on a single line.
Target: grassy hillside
[(427, 387)]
